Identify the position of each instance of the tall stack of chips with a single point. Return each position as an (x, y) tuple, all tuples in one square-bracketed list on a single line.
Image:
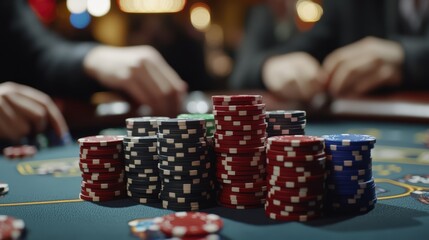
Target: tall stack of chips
[(141, 159), (101, 163), (185, 169), (240, 147), (284, 122), (296, 174), (350, 185)]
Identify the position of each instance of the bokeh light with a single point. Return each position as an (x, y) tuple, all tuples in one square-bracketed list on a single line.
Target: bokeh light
[(76, 6), (309, 11), (80, 20), (151, 6), (98, 8), (200, 16)]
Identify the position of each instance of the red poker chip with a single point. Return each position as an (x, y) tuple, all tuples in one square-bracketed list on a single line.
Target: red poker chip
[(104, 156), (101, 166), (295, 149), (244, 137), (253, 107), (109, 181), (291, 208), (223, 103), (314, 170), (241, 159), (100, 161), (292, 218), (103, 193), (308, 204), (275, 190), (302, 158), (99, 152), (189, 224), (238, 113), (241, 207), (227, 193), (100, 186), (241, 173), (11, 227), (245, 164), (22, 151), (240, 97), (297, 179), (100, 140), (294, 154), (223, 167), (321, 162), (295, 140), (239, 123), (98, 199), (242, 178), (238, 150), (260, 141), (295, 199), (230, 118), (249, 127), (102, 176), (249, 201), (256, 133), (270, 172), (293, 184), (102, 170), (228, 188)]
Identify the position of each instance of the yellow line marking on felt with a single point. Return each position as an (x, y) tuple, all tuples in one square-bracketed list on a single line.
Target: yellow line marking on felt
[(40, 203)]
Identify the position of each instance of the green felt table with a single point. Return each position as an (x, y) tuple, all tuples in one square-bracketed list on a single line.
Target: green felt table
[(51, 209)]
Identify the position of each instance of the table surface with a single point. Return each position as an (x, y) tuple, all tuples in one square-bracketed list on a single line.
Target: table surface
[(50, 207)]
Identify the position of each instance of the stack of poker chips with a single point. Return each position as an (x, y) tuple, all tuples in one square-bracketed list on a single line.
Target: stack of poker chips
[(141, 169), (240, 148), (296, 174), (282, 122), (209, 118), (141, 159), (185, 169), (102, 166), (350, 185)]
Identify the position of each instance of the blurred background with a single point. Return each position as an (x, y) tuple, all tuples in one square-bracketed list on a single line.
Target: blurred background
[(199, 38)]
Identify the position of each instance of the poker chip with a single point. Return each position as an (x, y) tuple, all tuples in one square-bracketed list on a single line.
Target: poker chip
[(178, 155), (145, 228), (295, 176), (100, 140), (350, 185), (11, 227), (19, 152), (101, 163), (209, 119), (189, 224), (4, 188)]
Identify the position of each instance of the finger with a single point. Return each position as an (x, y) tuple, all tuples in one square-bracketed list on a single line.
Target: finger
[(166, 95), (13, 126), (139, 93), (371, 82), (54, 116), (33, 112)]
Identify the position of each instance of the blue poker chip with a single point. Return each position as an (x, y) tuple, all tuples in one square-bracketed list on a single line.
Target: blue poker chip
[(362, 148), (341, 167), (349, 139)]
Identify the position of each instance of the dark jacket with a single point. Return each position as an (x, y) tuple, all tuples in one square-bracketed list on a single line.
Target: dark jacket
[(32, 55), (343, 22)]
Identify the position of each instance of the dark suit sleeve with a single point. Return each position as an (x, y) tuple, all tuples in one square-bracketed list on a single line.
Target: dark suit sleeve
[(41, 59), (255, 48), (415, 67), (258, 38)]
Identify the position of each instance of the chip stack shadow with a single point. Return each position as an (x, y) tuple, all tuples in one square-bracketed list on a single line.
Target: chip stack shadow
[(240, 148), (186, 171), (102, 165), (141, 159)]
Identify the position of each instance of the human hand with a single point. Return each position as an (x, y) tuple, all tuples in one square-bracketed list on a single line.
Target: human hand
[(294, 76), (363, 66), (142, 73), (25, 110)]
